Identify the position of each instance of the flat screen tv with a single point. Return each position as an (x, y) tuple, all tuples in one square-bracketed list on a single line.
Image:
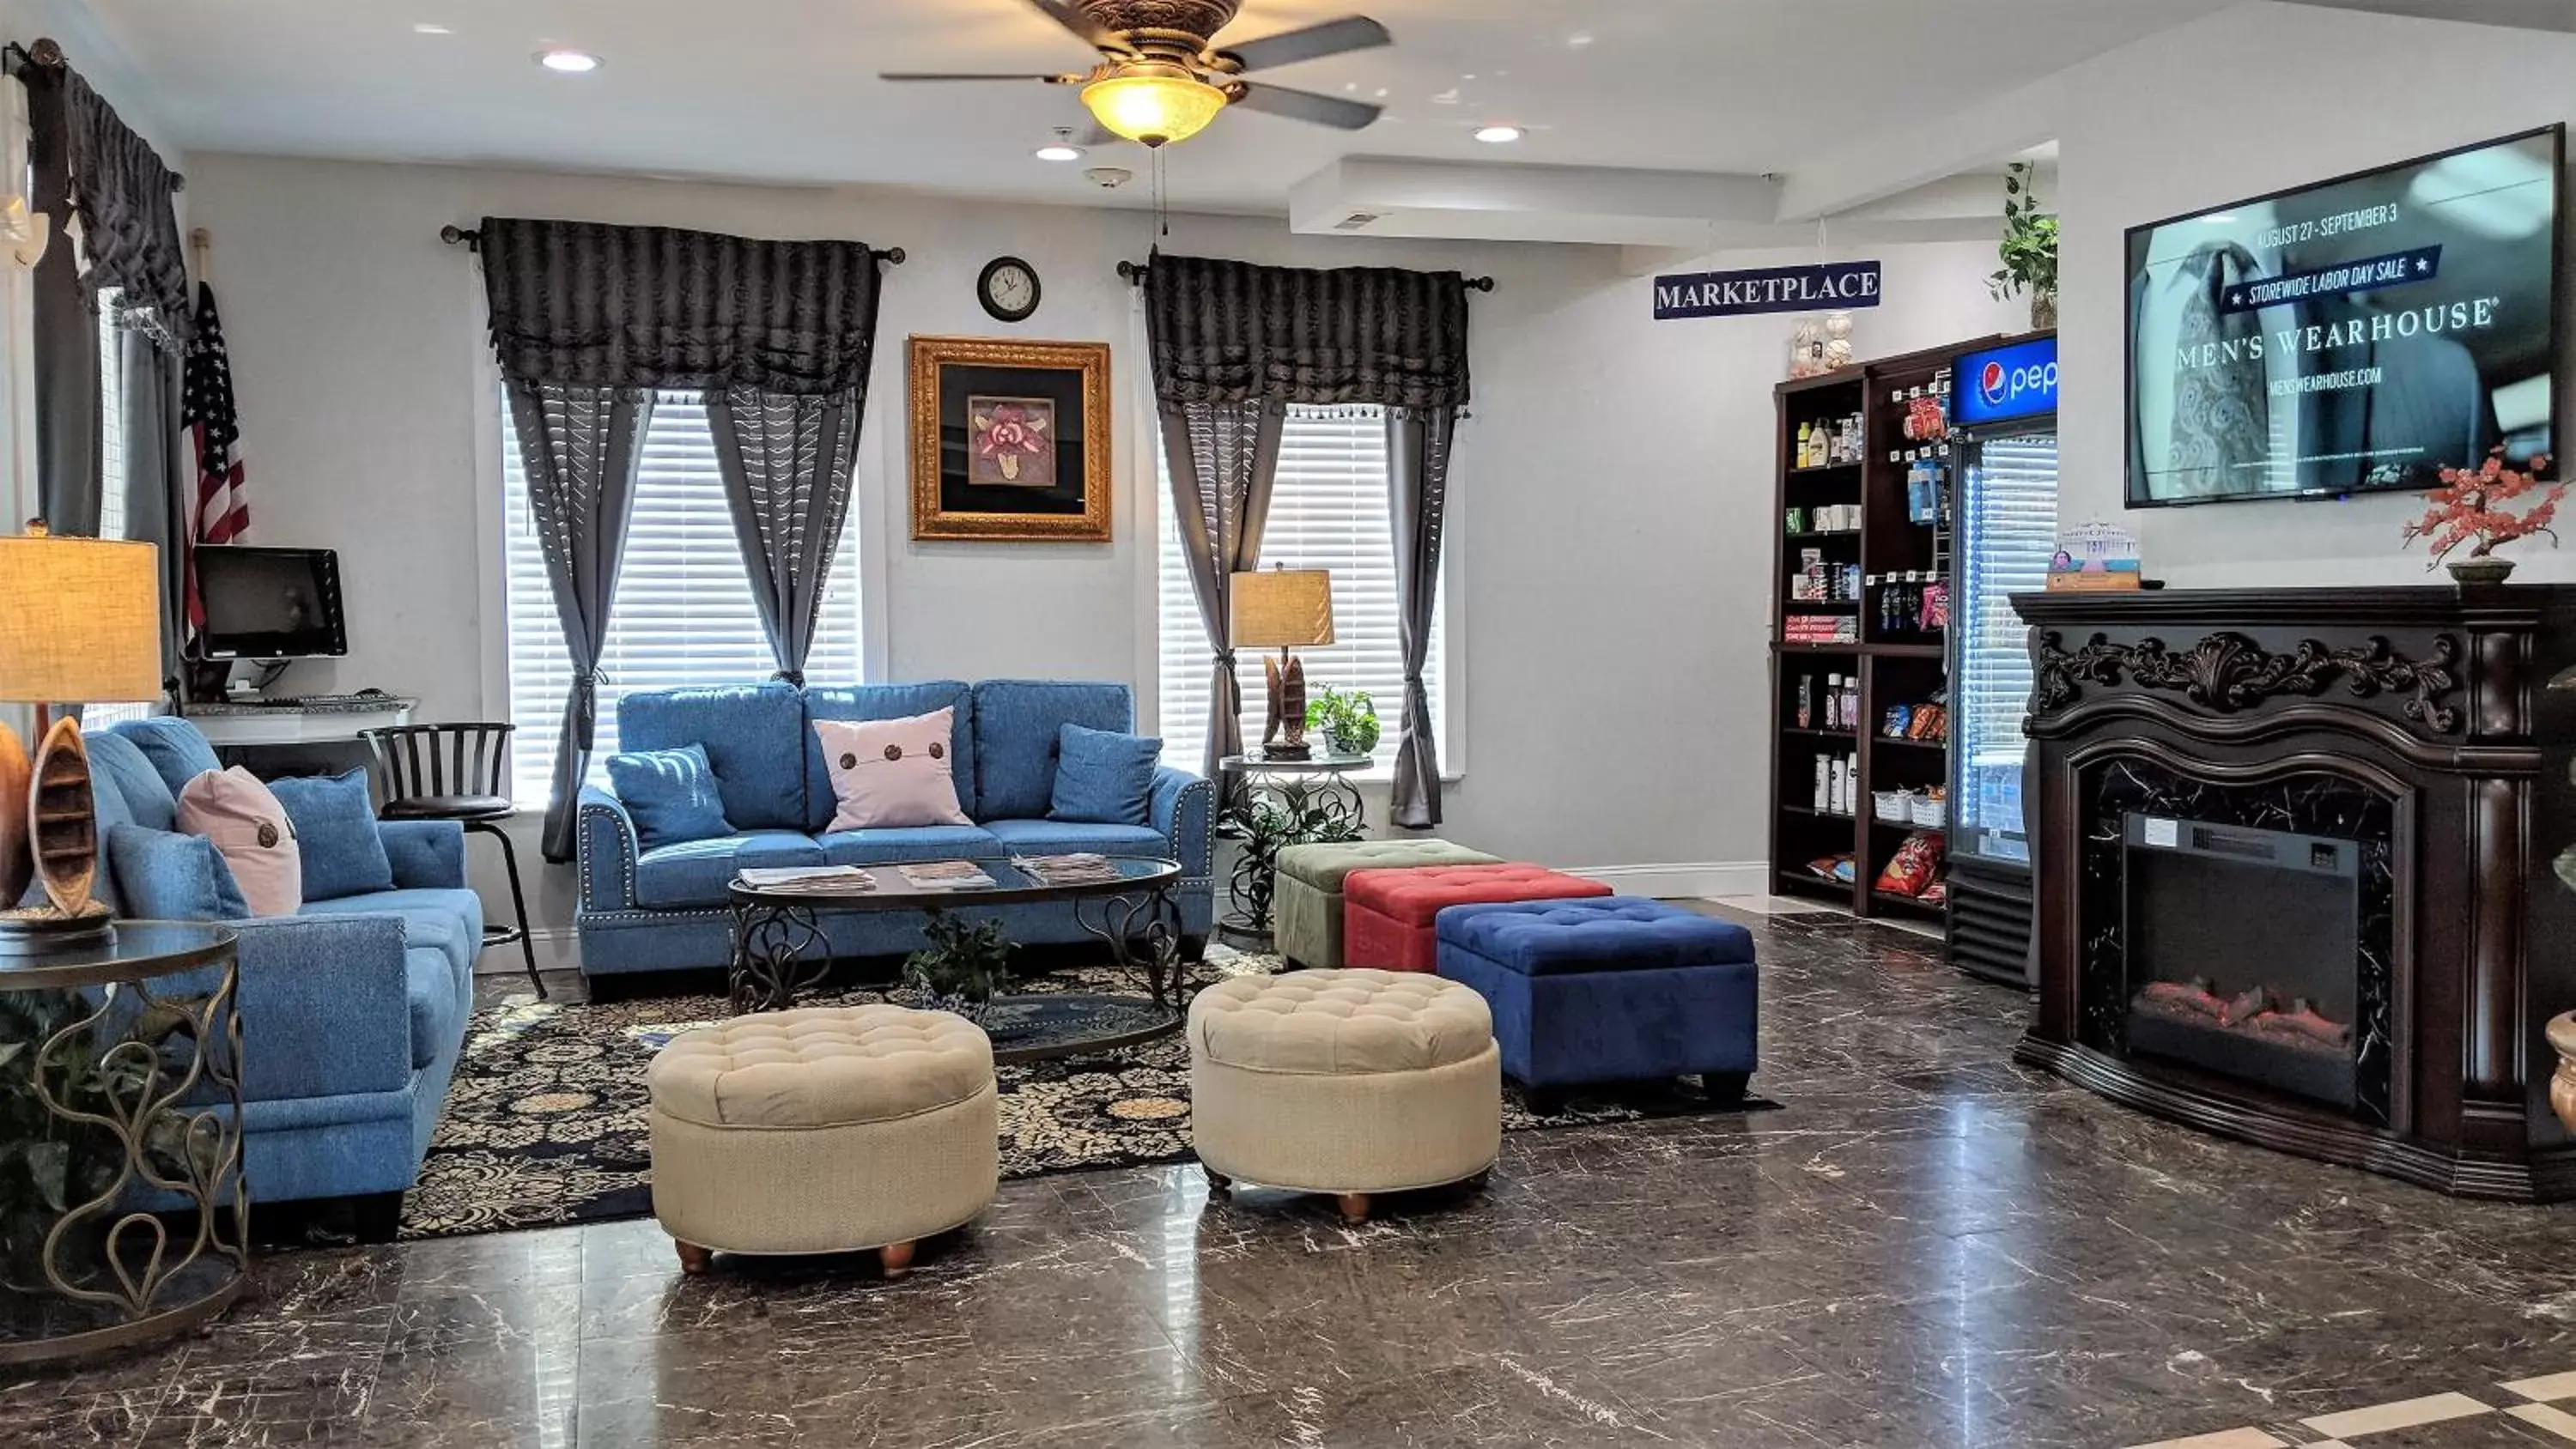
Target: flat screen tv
[(2356, 335)]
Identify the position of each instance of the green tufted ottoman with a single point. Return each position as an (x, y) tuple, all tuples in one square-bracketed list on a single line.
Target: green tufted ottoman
[(1306, 913)]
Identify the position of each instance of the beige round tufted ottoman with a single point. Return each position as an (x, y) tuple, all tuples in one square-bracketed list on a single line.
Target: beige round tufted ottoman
[(825, 1130), (1344, 1082)]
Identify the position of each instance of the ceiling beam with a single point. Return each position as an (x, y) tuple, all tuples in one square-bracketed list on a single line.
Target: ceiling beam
[(2558, 15), (1888, 163)]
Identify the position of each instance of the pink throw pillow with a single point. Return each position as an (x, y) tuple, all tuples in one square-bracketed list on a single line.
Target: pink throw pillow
[(251, 832), (889, 772)]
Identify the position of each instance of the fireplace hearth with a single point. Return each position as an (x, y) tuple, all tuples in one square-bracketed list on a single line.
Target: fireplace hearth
[(2292, 853)]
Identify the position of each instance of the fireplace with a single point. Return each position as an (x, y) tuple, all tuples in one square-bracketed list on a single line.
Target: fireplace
[(2266, 985), (2292, 868)]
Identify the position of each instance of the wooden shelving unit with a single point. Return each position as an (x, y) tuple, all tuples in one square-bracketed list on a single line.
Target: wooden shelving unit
[(1893, 666)]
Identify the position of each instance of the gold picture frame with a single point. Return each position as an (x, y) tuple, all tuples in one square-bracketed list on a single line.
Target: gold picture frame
[(948, 500)]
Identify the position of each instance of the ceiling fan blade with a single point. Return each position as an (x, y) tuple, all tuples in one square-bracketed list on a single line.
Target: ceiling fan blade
[(1333, 37), (1308, 106), (939, 75), (1096, 135), (1090, 31)]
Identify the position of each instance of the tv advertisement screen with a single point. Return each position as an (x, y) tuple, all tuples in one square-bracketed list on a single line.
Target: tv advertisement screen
[(2355, 335)]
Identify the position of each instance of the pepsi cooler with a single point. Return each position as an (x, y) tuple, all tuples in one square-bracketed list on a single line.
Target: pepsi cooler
[(2003, 470)]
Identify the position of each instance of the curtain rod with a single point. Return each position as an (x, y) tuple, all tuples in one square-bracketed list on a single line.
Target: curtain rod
[(472, 240), (1135, 272)]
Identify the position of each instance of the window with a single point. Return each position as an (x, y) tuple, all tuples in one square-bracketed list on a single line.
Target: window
[(683, 613), (111, 468), (1328, 510)]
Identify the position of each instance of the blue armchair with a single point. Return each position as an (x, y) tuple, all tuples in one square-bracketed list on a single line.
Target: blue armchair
[(353, 1012), (664, 909)]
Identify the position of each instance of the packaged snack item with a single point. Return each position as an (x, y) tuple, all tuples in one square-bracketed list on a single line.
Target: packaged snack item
[(1916, 866), (1835, 868)]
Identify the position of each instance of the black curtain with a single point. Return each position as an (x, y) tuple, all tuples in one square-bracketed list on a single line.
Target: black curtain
[(108, 196), (1226, 333), (590, 319)]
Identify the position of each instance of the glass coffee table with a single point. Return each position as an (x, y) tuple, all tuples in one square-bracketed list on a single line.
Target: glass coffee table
[(779, 951)]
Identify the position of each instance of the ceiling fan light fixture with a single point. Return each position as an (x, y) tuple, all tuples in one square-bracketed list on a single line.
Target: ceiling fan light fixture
[(1059, 151), (1155, 106)]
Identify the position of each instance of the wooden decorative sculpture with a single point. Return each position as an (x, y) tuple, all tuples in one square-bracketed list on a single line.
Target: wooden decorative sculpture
[(16, 867), (60, 844)]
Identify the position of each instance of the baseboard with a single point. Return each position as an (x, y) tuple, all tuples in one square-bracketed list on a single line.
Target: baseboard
[(1705, 880)]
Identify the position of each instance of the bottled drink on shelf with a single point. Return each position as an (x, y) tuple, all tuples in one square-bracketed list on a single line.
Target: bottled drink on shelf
[(1806, 701)]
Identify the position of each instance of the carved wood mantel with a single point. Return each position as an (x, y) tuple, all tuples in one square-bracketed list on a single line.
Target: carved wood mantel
[(2433, 701)]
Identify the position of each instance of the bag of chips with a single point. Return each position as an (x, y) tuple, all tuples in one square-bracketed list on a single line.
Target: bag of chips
[(1916, 866)]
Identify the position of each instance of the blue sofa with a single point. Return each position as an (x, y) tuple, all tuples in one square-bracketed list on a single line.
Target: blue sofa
[(664, 909), (353, 1012)]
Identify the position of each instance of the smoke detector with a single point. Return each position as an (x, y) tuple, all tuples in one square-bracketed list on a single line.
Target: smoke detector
[(1108, 178)]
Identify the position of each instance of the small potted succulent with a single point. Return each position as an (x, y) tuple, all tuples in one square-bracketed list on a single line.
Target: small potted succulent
[(1347, 720), (966, 963), (2470, 507)]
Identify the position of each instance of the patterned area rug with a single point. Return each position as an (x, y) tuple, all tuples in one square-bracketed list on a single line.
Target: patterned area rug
[(545, 1123)]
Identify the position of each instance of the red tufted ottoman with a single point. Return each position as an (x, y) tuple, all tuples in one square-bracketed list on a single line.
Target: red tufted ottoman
[(1388, 916)]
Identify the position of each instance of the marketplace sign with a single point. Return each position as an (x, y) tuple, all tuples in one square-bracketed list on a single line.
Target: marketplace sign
[(1831, 286)]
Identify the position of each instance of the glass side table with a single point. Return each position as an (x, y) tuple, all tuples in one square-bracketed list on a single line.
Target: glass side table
[(122, 1208), (1269, 805)]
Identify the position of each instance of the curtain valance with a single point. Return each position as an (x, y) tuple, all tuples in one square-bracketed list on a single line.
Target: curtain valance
[(646, 306), (119, 190), (1225, 331)]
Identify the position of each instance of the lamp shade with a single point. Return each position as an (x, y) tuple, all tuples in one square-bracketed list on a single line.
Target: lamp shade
[(1282, 609), (80, 620), (1153, 104)]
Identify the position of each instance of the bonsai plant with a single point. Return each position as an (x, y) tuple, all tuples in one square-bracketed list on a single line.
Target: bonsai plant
[(2029, 249), (1348, 720), (2469, 508), (964, 965)]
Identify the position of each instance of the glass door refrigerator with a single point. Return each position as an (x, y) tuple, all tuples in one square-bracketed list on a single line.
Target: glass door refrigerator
[(2004, 467)]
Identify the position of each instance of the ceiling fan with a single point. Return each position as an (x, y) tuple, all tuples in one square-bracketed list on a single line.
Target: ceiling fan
[(1162, 77)]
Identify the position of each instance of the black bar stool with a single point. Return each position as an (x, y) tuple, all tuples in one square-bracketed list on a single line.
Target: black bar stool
[(458, 772)]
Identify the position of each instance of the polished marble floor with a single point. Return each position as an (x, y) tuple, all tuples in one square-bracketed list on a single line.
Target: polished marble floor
[(1926, 1247)]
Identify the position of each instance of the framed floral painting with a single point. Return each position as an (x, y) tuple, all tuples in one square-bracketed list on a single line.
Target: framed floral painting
[(1010, 440)]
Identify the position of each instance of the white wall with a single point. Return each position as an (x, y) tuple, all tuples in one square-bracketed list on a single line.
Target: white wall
[(1612, 490), (2252, 100)]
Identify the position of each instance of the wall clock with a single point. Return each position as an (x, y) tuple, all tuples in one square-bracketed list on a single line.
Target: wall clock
[(1008, 289)]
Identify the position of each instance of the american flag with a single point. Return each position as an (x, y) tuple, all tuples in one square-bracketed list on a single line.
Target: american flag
[(206, 411)]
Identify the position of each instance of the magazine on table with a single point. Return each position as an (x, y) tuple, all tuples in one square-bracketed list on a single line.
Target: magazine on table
[(947, 875), (1076, 868), (834, 880)]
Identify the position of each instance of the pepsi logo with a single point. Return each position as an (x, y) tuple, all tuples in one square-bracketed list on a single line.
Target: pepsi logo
[(1990, 382)]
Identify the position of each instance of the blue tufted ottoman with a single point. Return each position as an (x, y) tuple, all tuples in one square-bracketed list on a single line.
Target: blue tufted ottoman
[(1611, 989)]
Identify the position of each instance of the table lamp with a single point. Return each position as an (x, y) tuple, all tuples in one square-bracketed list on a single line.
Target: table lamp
[(1283, 609), (80, 623)]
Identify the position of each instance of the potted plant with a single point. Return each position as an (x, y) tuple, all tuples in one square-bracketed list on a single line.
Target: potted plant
[(2029, 250), (1348, 720), (2469, 508), (964, 965)]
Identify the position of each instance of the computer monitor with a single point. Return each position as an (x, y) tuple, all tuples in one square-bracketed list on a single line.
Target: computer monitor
[(270, 603)]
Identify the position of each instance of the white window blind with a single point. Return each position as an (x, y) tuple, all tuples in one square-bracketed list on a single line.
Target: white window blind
[(683, 614), (2010, 531), (111, 468), (1328, 510)]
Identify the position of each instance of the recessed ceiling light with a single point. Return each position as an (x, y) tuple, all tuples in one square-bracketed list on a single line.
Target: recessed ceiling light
[(431, 28), (569, 62), (1578, 39), (1498, 135), (1059, 151)]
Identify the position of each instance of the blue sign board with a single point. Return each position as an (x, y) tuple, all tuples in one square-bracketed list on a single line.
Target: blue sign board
[(1831, 287), (2019, 381)]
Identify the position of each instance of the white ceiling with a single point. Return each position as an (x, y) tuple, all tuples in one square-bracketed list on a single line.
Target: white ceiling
[(785, 90)]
